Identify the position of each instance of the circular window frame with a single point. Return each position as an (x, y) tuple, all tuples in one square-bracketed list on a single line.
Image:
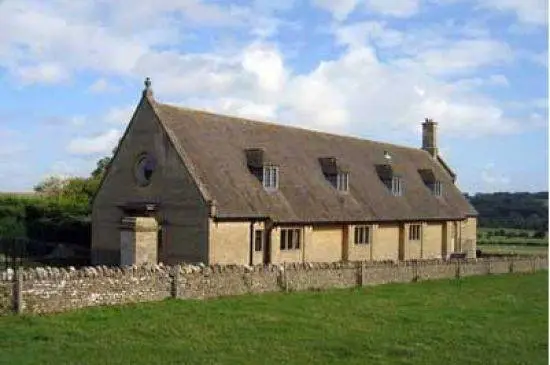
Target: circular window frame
[(139, 174)]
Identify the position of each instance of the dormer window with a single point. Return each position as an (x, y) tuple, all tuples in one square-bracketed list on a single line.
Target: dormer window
[(335, 172), (262, 168), (431, 181), (390, 176), (397, 186), (437, 188), (270, 178), (340, 181)]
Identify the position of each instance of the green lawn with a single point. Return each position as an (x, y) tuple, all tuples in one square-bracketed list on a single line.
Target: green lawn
[(478, 320)]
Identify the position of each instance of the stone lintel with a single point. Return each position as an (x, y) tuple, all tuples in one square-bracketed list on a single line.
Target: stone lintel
[(139, 224)]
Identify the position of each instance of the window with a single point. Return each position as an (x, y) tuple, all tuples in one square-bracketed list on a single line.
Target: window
[(340, 181), (258, 240), (290, 239), (362, 235), (437, 188), (144, 168), (414, 232), (397, 186), (271, 177)]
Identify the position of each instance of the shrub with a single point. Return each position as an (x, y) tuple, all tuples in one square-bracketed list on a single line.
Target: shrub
[(45, 219)]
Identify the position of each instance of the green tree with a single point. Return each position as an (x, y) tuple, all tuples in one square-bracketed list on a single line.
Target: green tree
[(52, 186), (101, 168)]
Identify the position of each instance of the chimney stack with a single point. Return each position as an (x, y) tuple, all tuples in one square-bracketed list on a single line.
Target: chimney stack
[(429, 137)]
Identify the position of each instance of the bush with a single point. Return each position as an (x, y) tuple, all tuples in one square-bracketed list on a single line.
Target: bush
[(539, 234)]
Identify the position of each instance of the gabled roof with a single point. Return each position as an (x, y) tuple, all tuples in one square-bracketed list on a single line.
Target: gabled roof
[(216, 147)]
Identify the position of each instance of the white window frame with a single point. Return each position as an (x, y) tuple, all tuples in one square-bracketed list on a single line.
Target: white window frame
[(415, 232), (342, 181), (270, 177), (362, 234), (290, 239), (397, 186)]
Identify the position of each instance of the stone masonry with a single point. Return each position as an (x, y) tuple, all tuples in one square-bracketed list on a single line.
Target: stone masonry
[(48, 290)]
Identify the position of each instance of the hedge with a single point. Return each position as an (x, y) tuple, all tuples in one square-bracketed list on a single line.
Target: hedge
[(45, 219)]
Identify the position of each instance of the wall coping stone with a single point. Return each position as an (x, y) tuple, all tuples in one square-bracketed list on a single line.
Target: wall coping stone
[(46, 272)]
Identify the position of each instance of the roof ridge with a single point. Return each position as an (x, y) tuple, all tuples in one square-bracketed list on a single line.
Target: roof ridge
[(302, 129)]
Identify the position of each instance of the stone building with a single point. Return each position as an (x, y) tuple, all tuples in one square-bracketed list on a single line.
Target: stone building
[(192, 186)]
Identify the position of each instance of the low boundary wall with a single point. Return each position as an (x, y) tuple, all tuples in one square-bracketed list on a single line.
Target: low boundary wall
[(48, 290)]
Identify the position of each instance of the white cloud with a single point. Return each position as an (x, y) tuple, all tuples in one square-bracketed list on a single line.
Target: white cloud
[(375, 32), (101, 85), (50, 41), (396, 8), (461, 56), (357, 92), (266, 64), (236, 107), (102, 143), (120, 115), (383, 83), (47, 73), (527, 11), (339, 9), (499, 80)]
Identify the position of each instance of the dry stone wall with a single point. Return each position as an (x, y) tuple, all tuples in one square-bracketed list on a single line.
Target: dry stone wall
[(48, 290)]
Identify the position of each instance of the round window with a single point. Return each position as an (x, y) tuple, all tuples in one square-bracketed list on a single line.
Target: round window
[(145, 166)]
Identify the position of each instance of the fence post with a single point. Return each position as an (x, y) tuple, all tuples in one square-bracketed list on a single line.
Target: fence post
[(174, 282), (511, 264), (18, 291), (362, 274), (458, 273)]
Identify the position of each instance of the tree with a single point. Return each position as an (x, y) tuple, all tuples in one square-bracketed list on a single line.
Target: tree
[(80, 190), (52, 186), (101, 168)]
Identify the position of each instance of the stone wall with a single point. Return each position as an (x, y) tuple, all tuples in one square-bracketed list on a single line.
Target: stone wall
[(47, 290)]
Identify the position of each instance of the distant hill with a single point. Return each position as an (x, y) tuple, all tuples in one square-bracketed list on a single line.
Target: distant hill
[(512, 210)]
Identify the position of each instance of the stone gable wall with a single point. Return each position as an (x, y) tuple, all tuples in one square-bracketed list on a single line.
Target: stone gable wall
[(48, 290)]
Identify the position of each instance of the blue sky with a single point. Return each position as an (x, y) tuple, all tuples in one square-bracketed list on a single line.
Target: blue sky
[(71, 73)]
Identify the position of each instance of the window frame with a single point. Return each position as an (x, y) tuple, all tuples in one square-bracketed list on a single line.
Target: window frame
[(342, 181), (397, 186), (270, 177), (437, 188), (415, 232), (144, 169), (362, 234), (259, 235), (290, 239)]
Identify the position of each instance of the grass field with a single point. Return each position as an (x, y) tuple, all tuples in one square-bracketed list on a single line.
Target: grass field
[(478, 320), (508, 236), (513, 249)]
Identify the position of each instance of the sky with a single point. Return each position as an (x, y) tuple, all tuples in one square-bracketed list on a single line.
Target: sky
[(71, 75)]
